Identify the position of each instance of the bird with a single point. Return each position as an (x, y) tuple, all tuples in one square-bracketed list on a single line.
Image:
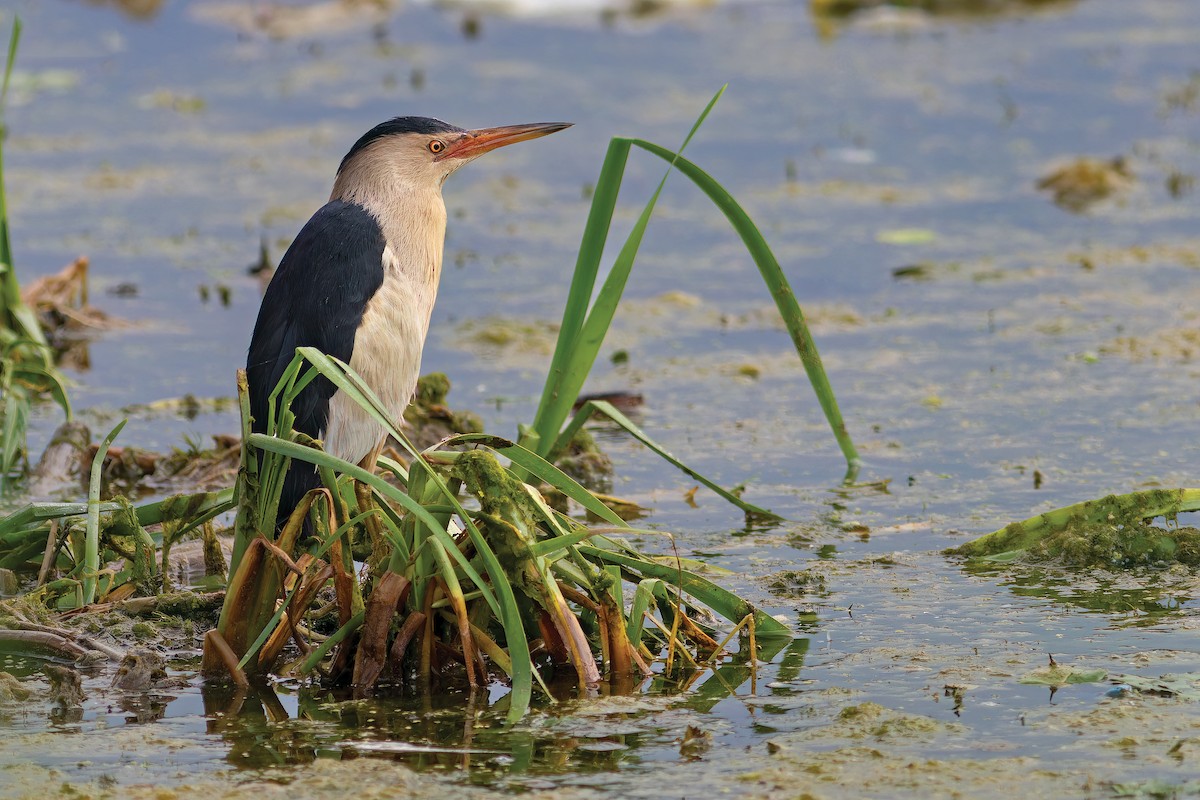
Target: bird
[(359, 282)]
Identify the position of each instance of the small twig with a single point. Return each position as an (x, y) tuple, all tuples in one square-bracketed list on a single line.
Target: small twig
[(51, 554), (658, 624), (746, 620)]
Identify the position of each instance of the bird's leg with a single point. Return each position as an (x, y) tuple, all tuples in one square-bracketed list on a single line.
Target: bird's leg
[(368, 461), (362, 493)]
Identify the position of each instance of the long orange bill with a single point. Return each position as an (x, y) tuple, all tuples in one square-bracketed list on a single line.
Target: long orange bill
[(477, 142)]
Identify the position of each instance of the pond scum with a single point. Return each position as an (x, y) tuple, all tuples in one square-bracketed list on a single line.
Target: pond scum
[(458, 562)]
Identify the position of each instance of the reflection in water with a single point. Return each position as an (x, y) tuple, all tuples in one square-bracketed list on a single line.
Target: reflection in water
[(444, 731), (460, 730), (143, 707), (1136, 597)]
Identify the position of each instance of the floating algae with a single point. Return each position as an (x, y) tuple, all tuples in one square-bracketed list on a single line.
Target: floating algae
[(1113, 531)]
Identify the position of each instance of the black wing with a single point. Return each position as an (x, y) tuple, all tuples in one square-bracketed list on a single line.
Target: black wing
[(316, 299)]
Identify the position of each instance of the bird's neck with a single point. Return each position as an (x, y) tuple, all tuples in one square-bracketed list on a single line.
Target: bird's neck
[(413, 220)]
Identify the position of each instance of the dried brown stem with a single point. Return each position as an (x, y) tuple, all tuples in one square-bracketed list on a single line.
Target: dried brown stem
[(301, 600), (372, 641), (218, 651), (697, 634), (275, 550), (572, 635), (470, 654), (412, 625), (51, 554), (578, 598)]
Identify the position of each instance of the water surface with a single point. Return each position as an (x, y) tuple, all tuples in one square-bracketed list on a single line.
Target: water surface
[(168, 147)]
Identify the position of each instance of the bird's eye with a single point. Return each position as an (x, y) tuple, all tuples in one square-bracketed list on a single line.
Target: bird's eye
[(436, 146)]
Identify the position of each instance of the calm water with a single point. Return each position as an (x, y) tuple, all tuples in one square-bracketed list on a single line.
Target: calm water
[(168, 148)]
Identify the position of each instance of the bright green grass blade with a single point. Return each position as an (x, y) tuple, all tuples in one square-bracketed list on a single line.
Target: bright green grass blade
[(723, 602), (318, 654), (345, 379), (289, 385), (12, 430), (355, 388), (569, 373), (778, 285), (44, 375), (16, 316), (27, 363), (557, 524), (643, 598), (523, 672), (13, 40), (91, 541), (395, 467), (23, 320), (587, 266), (11, 291), (548, 547)]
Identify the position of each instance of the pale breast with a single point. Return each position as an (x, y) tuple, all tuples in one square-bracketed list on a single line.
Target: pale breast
[(387, 354)]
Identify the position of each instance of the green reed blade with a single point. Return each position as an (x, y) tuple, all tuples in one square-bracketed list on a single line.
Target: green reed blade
[(777, 283), (580, 345), (91, 541)]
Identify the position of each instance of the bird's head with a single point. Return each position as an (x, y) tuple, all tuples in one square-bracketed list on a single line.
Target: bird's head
[(423, 151)]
